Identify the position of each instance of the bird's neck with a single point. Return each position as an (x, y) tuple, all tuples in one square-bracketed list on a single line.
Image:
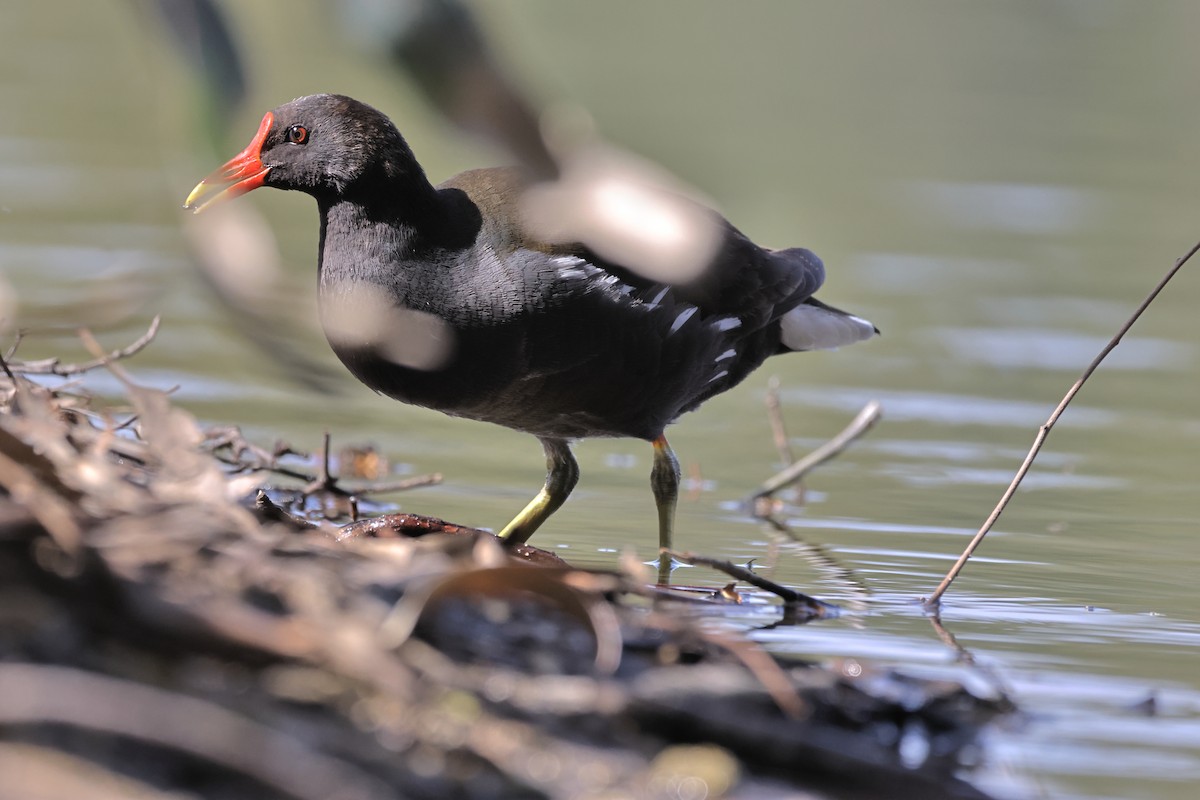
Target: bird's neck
[(358, 245), (412, 250), (377, 224), (397, 199)]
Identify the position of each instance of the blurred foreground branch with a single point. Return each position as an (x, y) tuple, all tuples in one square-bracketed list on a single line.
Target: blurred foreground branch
[(54, 366)]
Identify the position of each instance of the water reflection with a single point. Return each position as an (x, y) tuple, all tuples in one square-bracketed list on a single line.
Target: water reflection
[(948, 409), (1009, 207), (1049, 349)]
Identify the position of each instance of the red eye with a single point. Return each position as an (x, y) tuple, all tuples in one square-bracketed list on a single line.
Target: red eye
[(297, 134)]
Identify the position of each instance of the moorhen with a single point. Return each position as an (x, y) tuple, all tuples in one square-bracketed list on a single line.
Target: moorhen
[(442, 297)]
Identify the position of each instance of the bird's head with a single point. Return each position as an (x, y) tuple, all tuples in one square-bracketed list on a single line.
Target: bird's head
[(326, 145)]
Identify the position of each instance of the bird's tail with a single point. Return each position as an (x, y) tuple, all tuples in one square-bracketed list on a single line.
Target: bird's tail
[(812, 325)]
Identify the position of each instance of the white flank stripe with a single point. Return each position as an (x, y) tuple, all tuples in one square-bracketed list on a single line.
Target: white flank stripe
[(680, 320)]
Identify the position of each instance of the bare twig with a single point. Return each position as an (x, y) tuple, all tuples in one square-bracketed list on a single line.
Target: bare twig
[(245, 456), (217, 438), (860, 425), (240, 466), (324, 481), (1044, 430), (52, 366), (7, 371), (403, 485), (789, 596), (17, 339), (128, 423), (775, 418), (326, 477)]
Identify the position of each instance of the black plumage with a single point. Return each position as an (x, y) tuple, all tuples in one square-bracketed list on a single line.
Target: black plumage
[(549, 339)]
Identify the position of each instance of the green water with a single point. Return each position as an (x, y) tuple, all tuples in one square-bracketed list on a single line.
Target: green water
[(995, 185)]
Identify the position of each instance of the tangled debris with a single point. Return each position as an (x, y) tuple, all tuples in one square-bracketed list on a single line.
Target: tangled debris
[(159, 634)]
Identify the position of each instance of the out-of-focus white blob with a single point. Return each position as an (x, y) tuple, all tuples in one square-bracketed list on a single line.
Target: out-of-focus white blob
[(626, 209), (808, 327), (238, 257), (238, 253), (361, 316)]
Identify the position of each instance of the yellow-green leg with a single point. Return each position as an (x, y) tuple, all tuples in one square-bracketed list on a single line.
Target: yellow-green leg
[(664, 482), (562, 473)]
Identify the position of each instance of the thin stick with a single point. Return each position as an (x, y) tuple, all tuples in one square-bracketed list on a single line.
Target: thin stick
[(789, 596), (860, 425), (12, 351), (52, 366), (415, 482), (775, 419), (7, 371), (325, 476), (1044, 431)]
